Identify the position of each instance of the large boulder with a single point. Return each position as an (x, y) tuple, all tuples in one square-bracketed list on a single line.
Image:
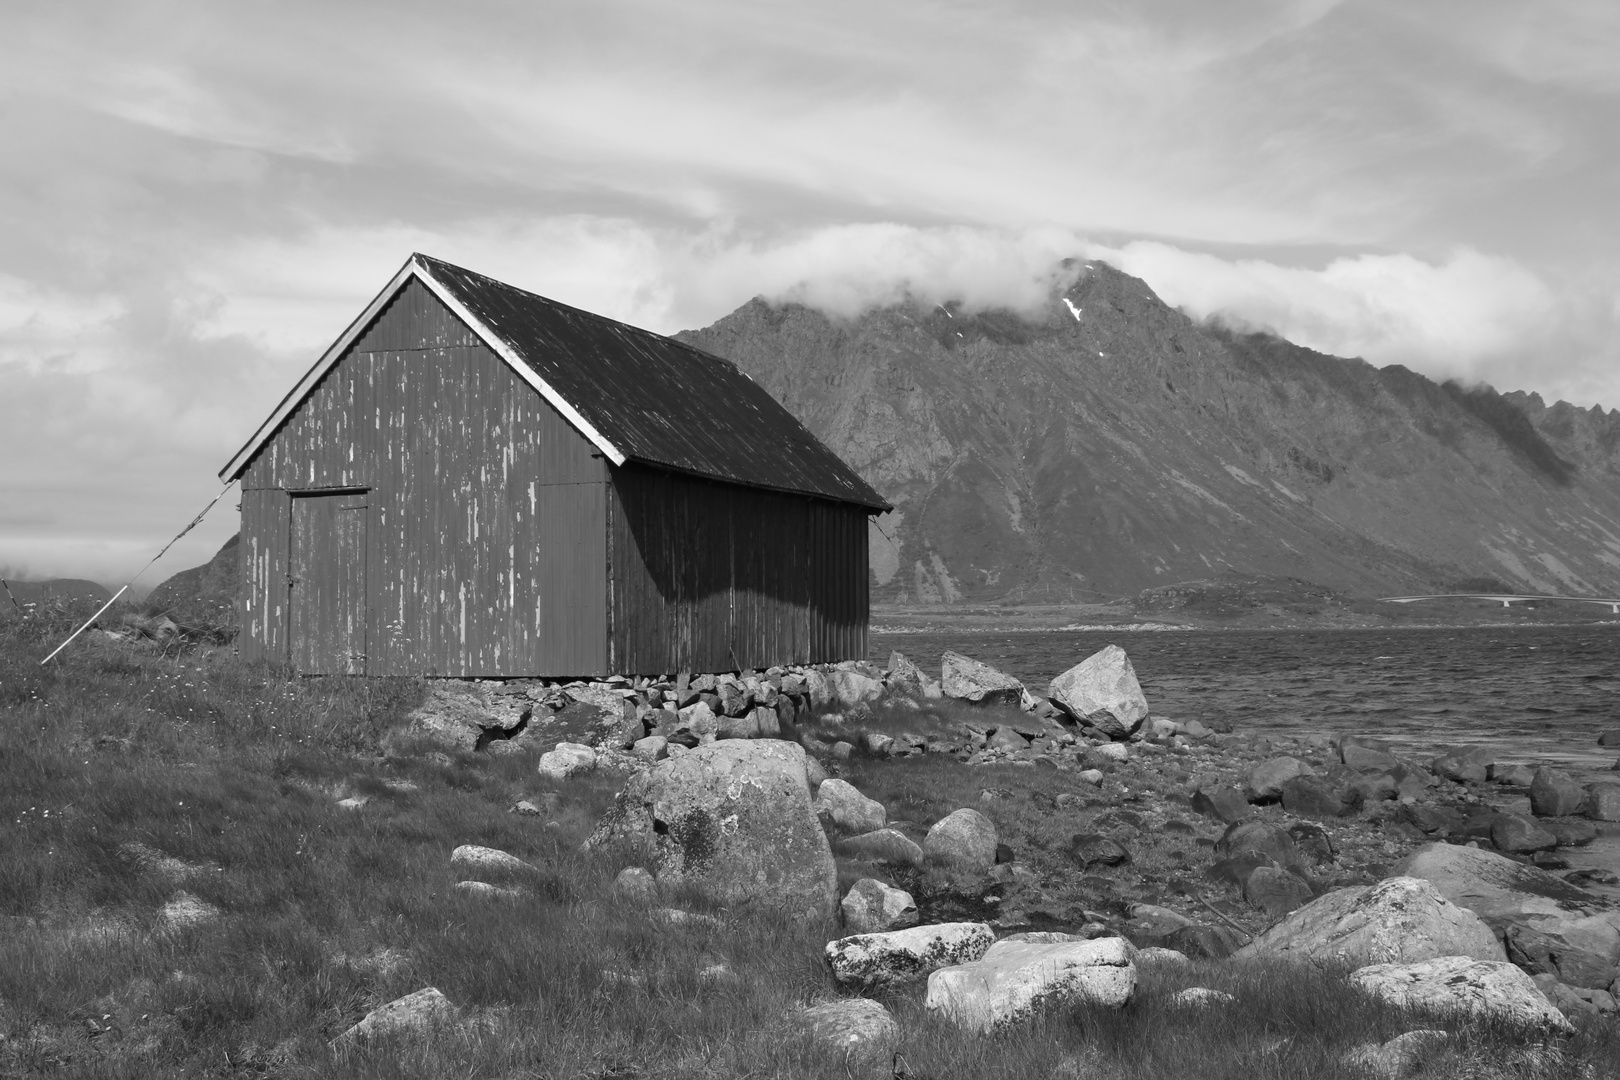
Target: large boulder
[(1102, 691), (1398, 920), (1367, 755), (904, 676), (1260, 837), (1398, 1058), (459, 717), (1016, 979), (883, 845), (872, 907), (1464, 763), (1519, 834), (1554, 793), (965, 679), (898, 957), (413, 1014), (731, 820), (1581, 951), (1494, 887), (855, 1032), (1603, 802), (851, 689), (1307, 796), (566, 761), (964, 839), (1275, 892), (841, 806), (735, 700), (1226, 804), (1460, 986), (1266, 780), (473, 862)]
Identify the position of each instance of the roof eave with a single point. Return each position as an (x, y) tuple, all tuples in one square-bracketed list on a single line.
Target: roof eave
[(873, 505)]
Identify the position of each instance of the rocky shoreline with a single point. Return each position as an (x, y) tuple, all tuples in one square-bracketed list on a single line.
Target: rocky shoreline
[(1440, 883)]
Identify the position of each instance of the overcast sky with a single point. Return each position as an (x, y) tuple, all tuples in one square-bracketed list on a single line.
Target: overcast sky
[(195, 198)]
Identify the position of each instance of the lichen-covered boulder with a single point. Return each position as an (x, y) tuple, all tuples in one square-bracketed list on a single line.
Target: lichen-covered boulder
[(1261, 837), (473, 862), (413, 1014), (458, 717), (873, 907), (840, 805), (1465, 764), (963, 839), (1266, 780), (731, 820), (869, 961), (1396, 920), (904, 676), (855, 1032), (882, 845), (1014, 980), (1494, 887), (1555, 793), (1102, 691), (851, 689), (1582, 951), (1461, 985), (567, 760), (966, 679), (1603, 802)]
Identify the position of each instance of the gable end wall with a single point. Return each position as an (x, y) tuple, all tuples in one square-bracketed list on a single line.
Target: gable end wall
[(487, 511)]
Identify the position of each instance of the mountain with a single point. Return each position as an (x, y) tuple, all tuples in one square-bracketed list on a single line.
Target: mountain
[(204, 596), (1109, 444), (19, 595)]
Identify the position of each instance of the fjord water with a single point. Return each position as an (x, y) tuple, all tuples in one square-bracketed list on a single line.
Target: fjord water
[(1538, 695)]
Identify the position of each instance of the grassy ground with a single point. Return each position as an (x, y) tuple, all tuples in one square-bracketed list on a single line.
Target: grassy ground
[(128, 778)]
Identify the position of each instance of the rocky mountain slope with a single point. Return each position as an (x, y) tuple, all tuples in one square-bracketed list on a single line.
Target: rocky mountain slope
[(1109, 444), (204, 595)]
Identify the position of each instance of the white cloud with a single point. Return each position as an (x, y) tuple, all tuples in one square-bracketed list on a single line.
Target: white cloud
[(292, 296), (849, 268), (1448, 318), (40, 326)]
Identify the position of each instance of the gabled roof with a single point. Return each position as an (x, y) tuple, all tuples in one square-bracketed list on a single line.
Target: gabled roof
[(636, 395)]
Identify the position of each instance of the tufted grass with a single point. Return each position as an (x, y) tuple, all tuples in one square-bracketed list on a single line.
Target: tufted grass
[(116, 759)]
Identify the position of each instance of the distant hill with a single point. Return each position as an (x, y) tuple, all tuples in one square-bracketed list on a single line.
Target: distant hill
[(25, 593), (204, 596), (1110, 444)]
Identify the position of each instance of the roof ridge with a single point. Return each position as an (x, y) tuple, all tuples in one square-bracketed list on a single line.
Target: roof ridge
[(587, 313), (634, 393)]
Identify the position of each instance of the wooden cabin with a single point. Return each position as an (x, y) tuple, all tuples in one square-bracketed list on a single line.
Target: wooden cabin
[(477, 481)]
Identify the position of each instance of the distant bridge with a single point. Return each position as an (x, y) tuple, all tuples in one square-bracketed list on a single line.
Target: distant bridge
[(1506, 599)]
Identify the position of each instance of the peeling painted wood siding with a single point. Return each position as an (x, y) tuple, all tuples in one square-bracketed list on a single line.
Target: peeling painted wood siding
[(716, 577), (486, 529), (262, 592), (327, 594)]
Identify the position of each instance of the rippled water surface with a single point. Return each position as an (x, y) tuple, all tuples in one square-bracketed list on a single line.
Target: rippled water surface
[(1538, 694)]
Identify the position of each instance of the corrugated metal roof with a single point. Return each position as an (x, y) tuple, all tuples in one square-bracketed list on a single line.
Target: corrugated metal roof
[(658, 401), (636, 394)]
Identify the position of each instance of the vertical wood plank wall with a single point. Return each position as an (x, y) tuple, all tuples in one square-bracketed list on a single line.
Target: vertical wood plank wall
[(714, 577), (488, 528)]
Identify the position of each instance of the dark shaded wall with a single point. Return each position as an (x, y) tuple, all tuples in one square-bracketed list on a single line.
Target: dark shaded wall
[(707, 576), (484, 533)]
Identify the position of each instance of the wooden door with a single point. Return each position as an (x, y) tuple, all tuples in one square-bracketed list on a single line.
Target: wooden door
[(326, 580)]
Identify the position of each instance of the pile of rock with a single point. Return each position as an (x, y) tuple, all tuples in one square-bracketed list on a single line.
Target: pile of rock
[(1096, 701), (619, 712)]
